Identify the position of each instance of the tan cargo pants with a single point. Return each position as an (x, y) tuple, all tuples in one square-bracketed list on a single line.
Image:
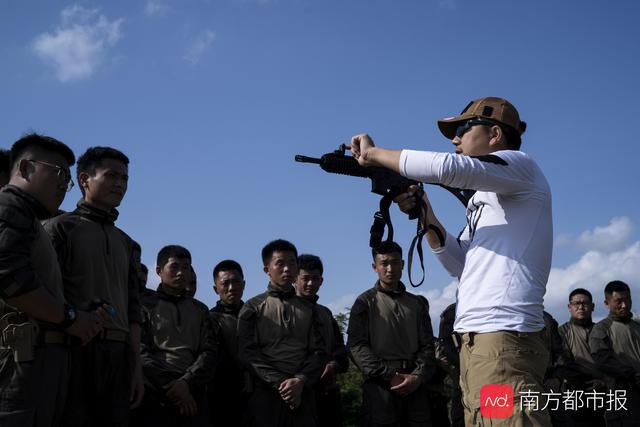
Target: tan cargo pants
[(504, 357)]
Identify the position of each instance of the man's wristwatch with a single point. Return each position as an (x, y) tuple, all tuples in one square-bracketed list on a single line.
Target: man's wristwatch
[(70, 316)]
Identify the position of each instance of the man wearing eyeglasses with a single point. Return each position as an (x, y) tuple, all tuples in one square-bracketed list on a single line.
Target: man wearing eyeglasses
[(575, 339), (34, 317), (502, 257)]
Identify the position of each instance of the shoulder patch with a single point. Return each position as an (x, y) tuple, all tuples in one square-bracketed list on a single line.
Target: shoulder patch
[(492, 158)]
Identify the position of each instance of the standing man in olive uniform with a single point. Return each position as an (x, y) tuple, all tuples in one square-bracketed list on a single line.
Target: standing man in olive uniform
[(449, 356), (615, 347), (329, 405), (575, 340), (33, 314), (391, 341), (227, 396), (281, 342), (99, 262), (179, 349)]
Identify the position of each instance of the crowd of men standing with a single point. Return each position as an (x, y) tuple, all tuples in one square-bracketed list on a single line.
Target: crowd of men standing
[(85, 343)]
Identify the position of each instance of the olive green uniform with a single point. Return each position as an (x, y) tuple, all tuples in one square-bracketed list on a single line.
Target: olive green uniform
[(32, 391), (98, 261), (328, 401), (615, 348), (558, 364), (279, 338), (389, 332), (449, 342), (226, 393), (575, 341), (177, 343)]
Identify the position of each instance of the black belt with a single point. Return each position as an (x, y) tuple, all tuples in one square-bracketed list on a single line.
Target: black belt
[(400, 364)]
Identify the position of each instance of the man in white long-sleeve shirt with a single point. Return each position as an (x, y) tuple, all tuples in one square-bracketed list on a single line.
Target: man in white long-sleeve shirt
[(502, 257)]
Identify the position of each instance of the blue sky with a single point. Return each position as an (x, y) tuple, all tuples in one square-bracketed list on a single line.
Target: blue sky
[(211, 100)]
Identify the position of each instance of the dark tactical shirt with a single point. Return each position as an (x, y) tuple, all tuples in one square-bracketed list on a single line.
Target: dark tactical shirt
[(279, 337), (177, 340), (27, 258), (391, 326), (98, 261)]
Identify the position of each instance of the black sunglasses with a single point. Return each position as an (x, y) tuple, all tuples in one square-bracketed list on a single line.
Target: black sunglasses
[(464, 128)]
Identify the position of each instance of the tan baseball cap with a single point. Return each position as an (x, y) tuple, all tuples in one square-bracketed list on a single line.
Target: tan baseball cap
[(490, 108)]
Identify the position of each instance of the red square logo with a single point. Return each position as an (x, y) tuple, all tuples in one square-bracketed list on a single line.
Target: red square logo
[(496, 401)]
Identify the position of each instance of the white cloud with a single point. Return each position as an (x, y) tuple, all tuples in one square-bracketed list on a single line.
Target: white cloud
[(592, 271), (607, 239), (155, 7), (199, 46), (80, 44)]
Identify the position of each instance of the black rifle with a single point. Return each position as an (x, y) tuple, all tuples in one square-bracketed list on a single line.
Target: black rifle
[(386, 183)]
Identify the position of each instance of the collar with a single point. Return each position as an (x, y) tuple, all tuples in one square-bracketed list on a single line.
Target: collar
[(583, 323), (621, 319), (89, 211), (233, 309), (38, 208), (168, 297), (312, 299), (401, 289), (286, 293)]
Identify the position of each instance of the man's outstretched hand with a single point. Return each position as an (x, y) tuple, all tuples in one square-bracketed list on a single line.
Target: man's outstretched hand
[(360, 147)]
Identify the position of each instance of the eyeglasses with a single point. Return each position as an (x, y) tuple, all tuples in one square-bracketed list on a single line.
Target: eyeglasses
[(580, 303), (464, 128), (62, 174)]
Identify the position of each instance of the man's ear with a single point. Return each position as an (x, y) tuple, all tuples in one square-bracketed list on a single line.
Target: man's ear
[(158, 269), (266, 269), (83, 178), (496, 135), (215, 289), (25, 168)]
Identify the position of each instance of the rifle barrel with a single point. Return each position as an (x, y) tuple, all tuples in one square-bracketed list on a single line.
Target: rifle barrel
[(306, 159)]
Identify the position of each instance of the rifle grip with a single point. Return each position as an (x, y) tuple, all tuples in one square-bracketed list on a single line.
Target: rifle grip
[(414, 213)]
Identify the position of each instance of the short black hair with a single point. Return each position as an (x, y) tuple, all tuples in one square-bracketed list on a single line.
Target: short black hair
[(169, 251), (94, 156), (310, 262), (144, 268), (580, 291), (48, 143), (616, 286), (227, 265), (278, 245), (512, 136), (386, 247), (5, 161)]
